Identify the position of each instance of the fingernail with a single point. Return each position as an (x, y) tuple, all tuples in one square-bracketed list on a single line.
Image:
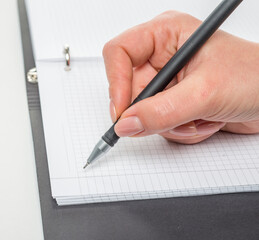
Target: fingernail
[(208, 128), (113, 111), (184, 131), (128, 127)]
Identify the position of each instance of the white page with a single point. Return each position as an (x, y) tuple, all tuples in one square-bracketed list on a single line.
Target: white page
[(75, 115), (86, 25)]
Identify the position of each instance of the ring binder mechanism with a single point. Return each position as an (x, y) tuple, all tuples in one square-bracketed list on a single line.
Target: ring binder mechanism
[(32, 76), (67, 57)]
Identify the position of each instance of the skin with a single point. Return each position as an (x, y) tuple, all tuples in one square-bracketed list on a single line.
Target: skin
[(217, 90)]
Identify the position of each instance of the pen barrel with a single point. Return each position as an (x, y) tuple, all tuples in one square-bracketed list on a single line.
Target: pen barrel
[(189, 49)]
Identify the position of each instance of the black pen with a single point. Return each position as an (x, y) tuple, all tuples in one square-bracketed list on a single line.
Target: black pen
[(170, 70)]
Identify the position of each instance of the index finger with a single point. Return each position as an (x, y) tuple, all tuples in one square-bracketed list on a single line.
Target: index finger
[(128, 50)]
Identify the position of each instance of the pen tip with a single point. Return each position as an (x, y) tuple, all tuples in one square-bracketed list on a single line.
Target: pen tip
[(99, 150), (86, 165)]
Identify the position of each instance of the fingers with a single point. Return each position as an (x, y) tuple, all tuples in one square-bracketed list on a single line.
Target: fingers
[(197, 128), (141, 77), (193, 132), (153, 42), (242, 128), (188, 141), (130, 49), (176, 106)]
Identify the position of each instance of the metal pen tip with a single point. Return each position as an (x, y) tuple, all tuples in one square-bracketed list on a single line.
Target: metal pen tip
[(86, 165), (99, 150)]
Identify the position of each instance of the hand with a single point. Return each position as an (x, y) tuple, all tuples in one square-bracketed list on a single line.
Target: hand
[(217, 90)]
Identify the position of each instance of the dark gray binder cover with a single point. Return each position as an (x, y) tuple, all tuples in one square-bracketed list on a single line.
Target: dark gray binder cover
[(230, 216)]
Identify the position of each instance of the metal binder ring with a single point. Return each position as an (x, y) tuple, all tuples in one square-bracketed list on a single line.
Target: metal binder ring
[(32, 76), (67, 57)]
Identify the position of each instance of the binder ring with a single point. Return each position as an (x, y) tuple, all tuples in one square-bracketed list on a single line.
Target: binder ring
[(67, 57), (32, 76)]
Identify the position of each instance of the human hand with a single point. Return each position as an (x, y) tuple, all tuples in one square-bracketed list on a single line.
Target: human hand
[(217, 90)]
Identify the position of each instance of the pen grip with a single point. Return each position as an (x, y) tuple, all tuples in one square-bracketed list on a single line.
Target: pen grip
[(110, 137)]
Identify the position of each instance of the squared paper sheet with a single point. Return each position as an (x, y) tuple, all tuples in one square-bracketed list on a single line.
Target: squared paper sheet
[(75, 115)]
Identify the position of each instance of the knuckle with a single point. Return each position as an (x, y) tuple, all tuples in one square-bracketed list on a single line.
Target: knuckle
[(207, 93), (171, 14), (216, 99), (107, 47), (174, 16), (162, 114), (112, 89)]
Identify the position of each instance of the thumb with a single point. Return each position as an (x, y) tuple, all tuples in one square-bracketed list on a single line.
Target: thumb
[(185, 102)]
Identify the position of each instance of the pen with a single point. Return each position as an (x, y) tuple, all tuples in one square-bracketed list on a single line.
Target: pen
[(170, 70)]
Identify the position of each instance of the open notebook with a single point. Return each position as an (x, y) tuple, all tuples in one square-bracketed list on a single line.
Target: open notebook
[(75, 110)]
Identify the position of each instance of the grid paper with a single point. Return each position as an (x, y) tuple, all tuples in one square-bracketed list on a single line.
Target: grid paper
[(75, 115)]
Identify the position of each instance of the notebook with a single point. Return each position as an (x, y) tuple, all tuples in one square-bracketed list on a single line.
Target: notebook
[(75, 110)]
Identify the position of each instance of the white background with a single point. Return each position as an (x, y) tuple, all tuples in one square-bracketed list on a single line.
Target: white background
[(20, 216)]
